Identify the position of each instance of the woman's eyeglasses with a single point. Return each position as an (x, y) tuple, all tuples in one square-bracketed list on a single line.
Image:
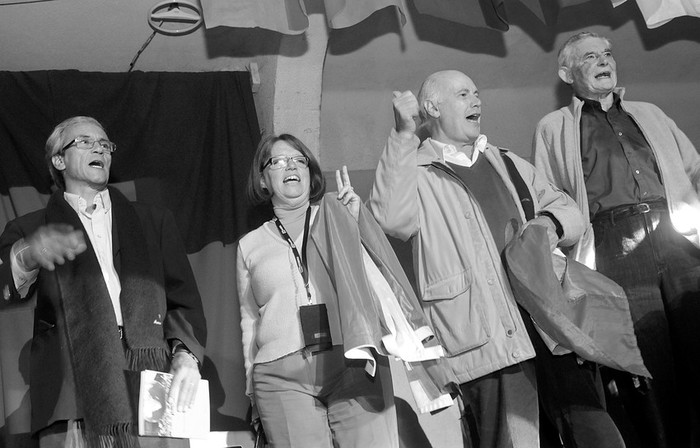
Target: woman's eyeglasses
[(280, 162)]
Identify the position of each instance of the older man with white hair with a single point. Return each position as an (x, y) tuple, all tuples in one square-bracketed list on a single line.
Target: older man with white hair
[(636, 177)]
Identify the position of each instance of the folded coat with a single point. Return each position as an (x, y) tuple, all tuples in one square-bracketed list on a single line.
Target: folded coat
[(584, 312)]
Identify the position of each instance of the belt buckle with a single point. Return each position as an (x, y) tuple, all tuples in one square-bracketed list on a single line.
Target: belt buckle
[(643, 208), (121, 332)]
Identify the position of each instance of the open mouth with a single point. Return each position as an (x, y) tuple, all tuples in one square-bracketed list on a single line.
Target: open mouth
[(603, 75), (473, 117), (292, 178), (97, 164)]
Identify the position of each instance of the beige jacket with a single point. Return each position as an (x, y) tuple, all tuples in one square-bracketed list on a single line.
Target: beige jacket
[(461, 281)]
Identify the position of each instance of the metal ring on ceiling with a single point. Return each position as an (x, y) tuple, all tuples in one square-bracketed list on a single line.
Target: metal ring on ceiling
[(175, 18)]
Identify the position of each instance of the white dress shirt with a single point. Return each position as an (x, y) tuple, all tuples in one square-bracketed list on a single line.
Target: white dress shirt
[(452, 155), (98, 226)]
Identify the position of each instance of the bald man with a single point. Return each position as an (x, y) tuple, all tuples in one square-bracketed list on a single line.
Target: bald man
[(452, 196)]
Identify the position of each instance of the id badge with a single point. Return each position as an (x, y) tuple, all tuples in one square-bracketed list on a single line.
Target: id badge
[(315, 327)]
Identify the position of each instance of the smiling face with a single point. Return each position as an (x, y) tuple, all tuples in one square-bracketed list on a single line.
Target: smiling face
[(456, 110), (289, 186), (592, 70), (85, 171)]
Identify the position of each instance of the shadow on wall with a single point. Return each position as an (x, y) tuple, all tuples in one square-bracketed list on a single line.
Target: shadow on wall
[(477, 40), (217, 397), (411, 434), (428, 28), (15, 434), (225, 41)]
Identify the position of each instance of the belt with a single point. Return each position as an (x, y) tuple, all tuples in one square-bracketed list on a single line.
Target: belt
[(625, 211)]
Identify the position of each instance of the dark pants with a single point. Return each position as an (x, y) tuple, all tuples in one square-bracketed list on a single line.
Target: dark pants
[(500, 409), (660, 272), (572, 400)]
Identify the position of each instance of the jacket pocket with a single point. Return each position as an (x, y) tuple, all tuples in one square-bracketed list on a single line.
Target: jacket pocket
[(449, 287), (456, 314)]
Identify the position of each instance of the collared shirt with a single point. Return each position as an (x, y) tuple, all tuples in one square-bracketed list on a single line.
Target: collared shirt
[(98, 226), (452, 155), (618, 165)]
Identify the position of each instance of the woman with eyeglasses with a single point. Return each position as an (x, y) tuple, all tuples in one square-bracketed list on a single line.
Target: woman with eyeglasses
[(305, 390)]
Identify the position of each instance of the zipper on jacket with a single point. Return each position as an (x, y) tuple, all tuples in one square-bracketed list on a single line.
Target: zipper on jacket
[(509, 329)]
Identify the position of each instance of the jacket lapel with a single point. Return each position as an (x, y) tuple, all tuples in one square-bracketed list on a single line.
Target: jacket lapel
[(116, 248)]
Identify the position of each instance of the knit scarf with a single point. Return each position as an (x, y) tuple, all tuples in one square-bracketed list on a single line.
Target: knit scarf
[(99, 359)]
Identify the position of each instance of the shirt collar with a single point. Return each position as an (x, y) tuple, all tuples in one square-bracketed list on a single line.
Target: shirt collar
[(102, 201), (452, 155), (596, 104)]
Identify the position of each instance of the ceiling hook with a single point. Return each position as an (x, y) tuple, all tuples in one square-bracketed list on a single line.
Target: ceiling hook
[(175, 18)]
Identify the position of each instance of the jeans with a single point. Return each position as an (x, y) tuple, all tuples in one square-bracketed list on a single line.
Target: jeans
[(660, 273)]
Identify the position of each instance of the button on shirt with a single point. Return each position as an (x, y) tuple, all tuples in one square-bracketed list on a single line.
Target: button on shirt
[(98, 226), (618, 165)]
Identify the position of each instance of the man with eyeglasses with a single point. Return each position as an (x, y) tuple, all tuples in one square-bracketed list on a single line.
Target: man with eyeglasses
[(115, 293)]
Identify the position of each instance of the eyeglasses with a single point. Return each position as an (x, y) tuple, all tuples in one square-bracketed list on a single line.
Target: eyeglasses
[(280, 162), (86, 143)]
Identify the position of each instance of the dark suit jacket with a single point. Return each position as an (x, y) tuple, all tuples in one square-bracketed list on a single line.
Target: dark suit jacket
[(52, 383)]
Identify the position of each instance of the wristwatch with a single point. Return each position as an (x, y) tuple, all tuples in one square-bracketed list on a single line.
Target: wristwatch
[(180, 346)]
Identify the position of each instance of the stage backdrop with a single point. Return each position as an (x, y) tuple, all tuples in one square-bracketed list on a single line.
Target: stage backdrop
[(184, 140)]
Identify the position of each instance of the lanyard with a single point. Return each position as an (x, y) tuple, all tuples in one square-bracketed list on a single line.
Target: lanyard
[(301, 260)]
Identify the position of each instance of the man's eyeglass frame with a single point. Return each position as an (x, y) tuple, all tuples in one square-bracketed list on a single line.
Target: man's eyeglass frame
[(86, 143)]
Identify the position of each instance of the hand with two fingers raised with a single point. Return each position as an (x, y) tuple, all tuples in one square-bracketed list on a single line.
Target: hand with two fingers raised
[(346, 194)]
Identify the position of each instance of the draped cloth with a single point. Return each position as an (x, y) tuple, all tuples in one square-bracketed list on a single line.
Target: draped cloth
[(584, 312), (291, 16), (660, 12), (338, 241)]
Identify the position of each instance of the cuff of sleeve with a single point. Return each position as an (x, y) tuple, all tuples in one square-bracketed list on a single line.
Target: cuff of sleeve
[(180, 347), (16, 255), (557, 224), (403, 136), (22, 276)]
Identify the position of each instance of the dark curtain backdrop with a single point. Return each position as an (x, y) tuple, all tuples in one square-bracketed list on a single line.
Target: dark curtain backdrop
[(184, 140)]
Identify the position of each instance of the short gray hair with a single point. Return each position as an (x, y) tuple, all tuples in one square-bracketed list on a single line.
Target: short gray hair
[(55, 143), (566, 53), (431, 90)]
